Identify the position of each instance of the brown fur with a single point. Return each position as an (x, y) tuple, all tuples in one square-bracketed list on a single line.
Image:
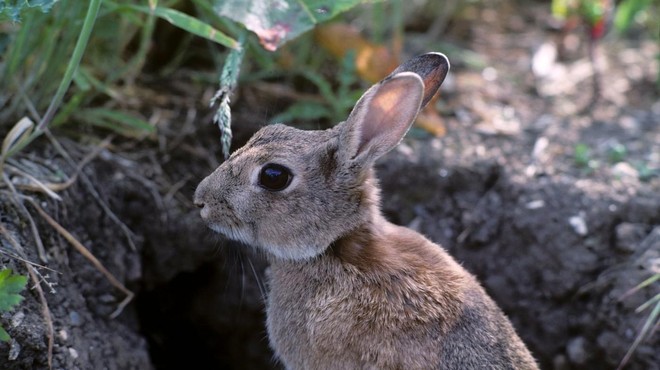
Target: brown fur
[(385, 297), (348, 289), (373, 309)]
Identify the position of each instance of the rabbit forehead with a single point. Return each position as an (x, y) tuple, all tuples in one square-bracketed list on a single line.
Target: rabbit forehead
[(280, 136), (284, 145)]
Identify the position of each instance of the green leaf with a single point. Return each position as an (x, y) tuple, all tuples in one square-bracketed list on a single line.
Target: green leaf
[(626, 12), (582, 155), (347, 74), (324, 86), (560, 9), (303, 111), (617, 153), (4, 336), (592, 11), (122, 123), (190, 24), (10, 287), (276, 22), (14, 9)]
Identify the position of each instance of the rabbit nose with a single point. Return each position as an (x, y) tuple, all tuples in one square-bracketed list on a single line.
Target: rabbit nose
[(198, 198)]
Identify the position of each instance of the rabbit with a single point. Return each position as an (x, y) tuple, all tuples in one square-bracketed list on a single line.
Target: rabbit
[(347, 288)]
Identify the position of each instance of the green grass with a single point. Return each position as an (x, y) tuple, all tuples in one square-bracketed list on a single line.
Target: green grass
[(11, 285), (652, 321)]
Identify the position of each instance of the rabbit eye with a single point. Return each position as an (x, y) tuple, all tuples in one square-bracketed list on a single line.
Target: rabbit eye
[(274, 177)]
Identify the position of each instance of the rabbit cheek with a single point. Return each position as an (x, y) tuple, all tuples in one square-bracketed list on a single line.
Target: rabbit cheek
[(280, 233)]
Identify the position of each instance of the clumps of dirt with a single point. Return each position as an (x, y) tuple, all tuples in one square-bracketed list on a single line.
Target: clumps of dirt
[(79, 299), (557, 259)]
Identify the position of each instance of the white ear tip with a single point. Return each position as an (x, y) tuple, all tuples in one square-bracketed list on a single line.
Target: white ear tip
[(442, 57), (409, 81), (407, 77), (407, 74)]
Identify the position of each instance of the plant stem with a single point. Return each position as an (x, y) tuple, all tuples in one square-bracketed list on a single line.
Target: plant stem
[(72, 66), (78, 51)]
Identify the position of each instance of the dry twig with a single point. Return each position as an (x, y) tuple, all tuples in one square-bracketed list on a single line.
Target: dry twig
[(90, 187), (45, 312), (89, 256), (15, 198), (34, 275)]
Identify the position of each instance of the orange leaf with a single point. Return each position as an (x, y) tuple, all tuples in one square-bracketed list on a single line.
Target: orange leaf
[(430, 121), (372, 61)]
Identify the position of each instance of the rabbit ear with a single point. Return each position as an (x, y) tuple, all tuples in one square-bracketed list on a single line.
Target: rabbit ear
[(381, 117), (431, 67)]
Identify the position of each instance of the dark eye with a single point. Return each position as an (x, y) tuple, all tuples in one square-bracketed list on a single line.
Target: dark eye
[(274, 177)]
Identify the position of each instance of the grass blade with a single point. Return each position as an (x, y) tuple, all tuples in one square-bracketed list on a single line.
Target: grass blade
[(78, 52), (648, 324), (122, 123), (15, 136), (643, 284), (190, 24)]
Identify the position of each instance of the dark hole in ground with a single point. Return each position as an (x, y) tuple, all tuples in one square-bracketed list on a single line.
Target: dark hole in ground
[(175, 342), (210, 318)]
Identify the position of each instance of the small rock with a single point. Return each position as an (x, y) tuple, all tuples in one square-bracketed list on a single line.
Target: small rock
[(75, 319), (623, 169), (540, 146), (535, 204), (560, 362), (489, 74), (14, 350), (73, 353), (17, 319), (63, 334), (606, 339), (579, 224), (628, 236), (118, 176), (613, 346), (531, 170), (107, 298), (576, 350), (544, 59)]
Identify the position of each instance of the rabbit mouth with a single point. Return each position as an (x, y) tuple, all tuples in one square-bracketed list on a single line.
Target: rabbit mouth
[(231, 232)]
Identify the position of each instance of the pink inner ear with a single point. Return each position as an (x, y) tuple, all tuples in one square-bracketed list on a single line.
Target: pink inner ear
[(381, 118), (390, 113)]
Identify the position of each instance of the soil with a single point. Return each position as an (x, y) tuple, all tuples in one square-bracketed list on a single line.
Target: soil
[(557, 238)]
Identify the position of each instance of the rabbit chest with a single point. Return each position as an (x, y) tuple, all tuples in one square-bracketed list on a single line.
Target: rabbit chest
[(326, 314)]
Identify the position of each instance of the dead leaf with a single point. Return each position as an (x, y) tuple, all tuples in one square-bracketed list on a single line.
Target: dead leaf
[(372, 61), (430, 121)]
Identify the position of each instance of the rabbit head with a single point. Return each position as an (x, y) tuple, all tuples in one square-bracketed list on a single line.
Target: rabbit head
[(293, 192)]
